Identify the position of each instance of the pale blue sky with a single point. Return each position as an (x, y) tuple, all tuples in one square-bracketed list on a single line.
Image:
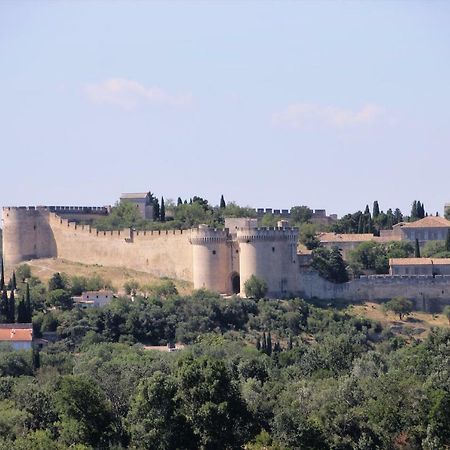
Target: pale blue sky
[(273, 104)]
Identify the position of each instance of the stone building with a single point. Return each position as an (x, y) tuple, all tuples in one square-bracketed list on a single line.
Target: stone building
[(431, 228), (143, 202), (419, 266), (347, 241)]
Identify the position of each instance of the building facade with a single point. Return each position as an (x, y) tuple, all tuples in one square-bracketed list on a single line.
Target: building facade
[(142, 201)]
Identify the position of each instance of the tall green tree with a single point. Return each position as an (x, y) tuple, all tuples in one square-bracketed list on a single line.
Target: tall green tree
[(4, 307), (162, 214), (13, 281), (376, 209), (28, 306), (398, 216), (269, 343), (85, 413), (211, 403), (361, 224), (11, 308), (156, 209), (179, 201), (2, 276), (155, 419), (21, 312), (414, 211), (223, 205)]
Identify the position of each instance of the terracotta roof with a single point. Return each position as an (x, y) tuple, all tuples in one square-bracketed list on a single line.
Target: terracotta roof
[(16, 334), (335, 237), (429, 222), (419, 261)]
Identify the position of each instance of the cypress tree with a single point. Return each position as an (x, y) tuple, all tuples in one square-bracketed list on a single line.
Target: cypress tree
[(376, 209), (4, 307), (422, 211), (398, 216), (264, 343), (36, 358), (417, 249), (162, 213), (290, 343), (367, 210), (29, 309), (269, 343), (361, 224), (179, 201), (447, 241), (21, 312), (14, 281), (258, 344), (11, 308), (414, 210), (389, 218), (2, 279), (155, 209), (368, 225), (222, 203)]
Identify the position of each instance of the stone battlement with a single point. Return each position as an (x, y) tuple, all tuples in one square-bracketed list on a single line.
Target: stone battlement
[(61, 209), (266, 234), (204, 235)]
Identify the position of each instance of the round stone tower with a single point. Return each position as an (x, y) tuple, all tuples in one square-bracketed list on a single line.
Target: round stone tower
[(270, 254), (26, 235), (211, 259)]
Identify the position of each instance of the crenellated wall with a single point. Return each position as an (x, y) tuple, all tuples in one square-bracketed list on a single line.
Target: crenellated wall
[(427, 292), (162, 253), (211, 258)]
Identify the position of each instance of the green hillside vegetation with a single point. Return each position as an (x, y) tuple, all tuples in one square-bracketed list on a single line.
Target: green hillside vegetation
[(255, 374)]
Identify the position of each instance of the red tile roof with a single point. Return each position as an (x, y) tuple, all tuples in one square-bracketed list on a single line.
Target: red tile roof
[(16, 334)]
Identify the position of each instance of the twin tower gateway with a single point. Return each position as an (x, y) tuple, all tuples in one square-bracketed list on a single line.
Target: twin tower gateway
[(221, 260)]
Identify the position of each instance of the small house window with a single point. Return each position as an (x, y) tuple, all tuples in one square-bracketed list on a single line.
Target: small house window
[(273, 249), (213, 252)]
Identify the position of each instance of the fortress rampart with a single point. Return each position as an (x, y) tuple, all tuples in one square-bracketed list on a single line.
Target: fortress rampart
[(429, 293), (215, 259)]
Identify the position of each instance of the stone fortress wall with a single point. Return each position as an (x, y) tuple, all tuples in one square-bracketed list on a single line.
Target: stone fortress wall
[(427, 292), (219, 260), (31, 233)]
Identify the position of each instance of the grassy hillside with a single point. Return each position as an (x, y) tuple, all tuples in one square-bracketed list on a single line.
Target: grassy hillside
[(45, 268)]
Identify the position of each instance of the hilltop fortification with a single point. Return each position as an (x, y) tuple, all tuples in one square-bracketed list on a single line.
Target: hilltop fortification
[(216, 259), (221, 260)]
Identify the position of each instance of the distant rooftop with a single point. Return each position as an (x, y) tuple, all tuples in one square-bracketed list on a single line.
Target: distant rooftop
[(419, 261), (429, 222), (336, 237), (16, 332), (134, 195)]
